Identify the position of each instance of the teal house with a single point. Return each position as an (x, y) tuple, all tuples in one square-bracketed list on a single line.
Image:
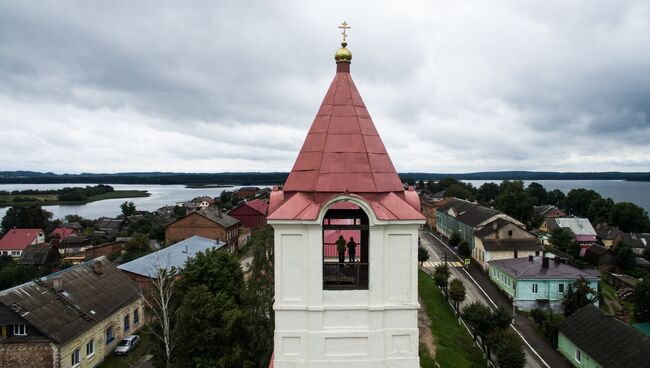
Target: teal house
[(537, 282), (590, 338)]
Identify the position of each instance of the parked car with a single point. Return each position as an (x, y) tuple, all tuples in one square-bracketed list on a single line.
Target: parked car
[(127, 344)]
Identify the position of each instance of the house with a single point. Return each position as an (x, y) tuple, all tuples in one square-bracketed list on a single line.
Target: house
[(637, 241), (609, 236), (601, 257), (62, 232), (252, 214), (16, 240), (537, 282), (429, 204), (212, 224), (502, 239), (142, 270), (203, 202), (109, 226), (73, 245), (591, 338), (71, 318), (464, 217), (581, 228), (105, 249), (41, 254), (548, 211), (247, 192)]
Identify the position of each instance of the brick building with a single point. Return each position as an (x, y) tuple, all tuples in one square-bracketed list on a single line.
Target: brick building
[(211, 224), (252, 214), (103, 249)]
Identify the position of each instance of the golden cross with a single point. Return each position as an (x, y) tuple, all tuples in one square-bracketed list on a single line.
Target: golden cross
[(344, 26)]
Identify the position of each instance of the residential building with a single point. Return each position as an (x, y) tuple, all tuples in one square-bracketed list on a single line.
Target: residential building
[(464, 217), (363, 312), (590, 338), (62, 232), (69, 319), (105, 249), (429, 204), (109, 226), (203, 202), (637, 241), (73, 245), (42, 254), (537, 282), (548, 211), (252, 214), (609, 236), (601, 257), (142, 270), (247, 192), (14, 242), (212, 224), (581, 228), (502, 239)]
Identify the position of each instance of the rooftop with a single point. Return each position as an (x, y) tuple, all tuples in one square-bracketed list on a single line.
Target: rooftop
[(18, 239), (511, 244), (610, 342), (172, 256), (85, 298), (523, 269), (577, 225)]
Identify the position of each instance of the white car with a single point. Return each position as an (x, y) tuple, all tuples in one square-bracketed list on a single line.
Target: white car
[(127, 344)]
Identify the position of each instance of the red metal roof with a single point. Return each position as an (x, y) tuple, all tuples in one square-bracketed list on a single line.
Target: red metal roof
[(258, 205), (62, 232), (343, 153), (18, 239)]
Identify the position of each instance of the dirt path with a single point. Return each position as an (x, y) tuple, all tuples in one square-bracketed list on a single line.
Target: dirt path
[(426, 337)]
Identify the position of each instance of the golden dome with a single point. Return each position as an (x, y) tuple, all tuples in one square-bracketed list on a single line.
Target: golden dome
[(343, 54)]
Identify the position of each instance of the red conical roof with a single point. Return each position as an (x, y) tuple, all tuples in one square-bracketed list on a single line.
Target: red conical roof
[(343, 151)]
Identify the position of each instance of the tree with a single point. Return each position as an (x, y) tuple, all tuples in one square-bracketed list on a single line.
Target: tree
[(508, 349), (455, 239), (538, 316), (25, 217), (138, 243), (179, 211), (600, 210), (160, 303), (423, 255), (630, 218), (646, 253), (128, 209), (555, 198), (642, 301), (561, 239), (501, 319), (577, 296), (458, 191), (478, 317), (515, 201), (625, 257), (464, 249), (441, 277), (537, 193), (488, 192), (578, 200), (457, 293)]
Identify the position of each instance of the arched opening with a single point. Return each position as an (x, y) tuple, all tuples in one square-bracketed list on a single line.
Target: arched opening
[(345, 247)]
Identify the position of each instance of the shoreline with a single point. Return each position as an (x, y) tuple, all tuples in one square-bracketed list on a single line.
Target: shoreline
[(118, 194)]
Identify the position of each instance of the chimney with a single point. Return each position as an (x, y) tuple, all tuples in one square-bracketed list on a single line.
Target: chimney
[(545, 262), (57, 283), (98, 267), (530, 258)]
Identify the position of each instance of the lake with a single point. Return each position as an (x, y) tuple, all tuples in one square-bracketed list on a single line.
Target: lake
[(162, 195)]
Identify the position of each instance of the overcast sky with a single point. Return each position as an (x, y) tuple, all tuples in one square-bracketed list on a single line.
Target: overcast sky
[(211, 86)]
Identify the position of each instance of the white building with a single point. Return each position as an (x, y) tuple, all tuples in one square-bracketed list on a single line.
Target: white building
[(361, 312)]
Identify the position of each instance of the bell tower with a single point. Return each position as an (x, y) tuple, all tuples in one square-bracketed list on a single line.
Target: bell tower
[(346, 235)]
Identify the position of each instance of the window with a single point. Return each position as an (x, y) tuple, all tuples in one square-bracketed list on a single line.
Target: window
[(15, 253), (20, 330), (509, 232), (536, 253), (136, 316), (560, 288), (109, 335), (127, 324), (345, 247), (90, 348), (578, 355), (534, 288), (74, 358)]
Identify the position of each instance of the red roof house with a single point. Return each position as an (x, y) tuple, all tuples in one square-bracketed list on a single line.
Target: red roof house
[(62, 232), (16, 240), (252, 214)]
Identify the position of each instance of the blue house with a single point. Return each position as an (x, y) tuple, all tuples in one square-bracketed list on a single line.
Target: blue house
[(538, 282)]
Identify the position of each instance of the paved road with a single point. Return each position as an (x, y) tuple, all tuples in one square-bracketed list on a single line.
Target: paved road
[(479, 288)]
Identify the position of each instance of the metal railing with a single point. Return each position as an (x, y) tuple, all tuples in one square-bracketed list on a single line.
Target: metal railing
[(345, 275)]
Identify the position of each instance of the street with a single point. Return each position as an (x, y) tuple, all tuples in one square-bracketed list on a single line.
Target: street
[(479, 288)]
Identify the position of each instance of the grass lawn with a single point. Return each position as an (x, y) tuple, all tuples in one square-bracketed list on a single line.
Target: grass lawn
[(114, 361), (454, 345)]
